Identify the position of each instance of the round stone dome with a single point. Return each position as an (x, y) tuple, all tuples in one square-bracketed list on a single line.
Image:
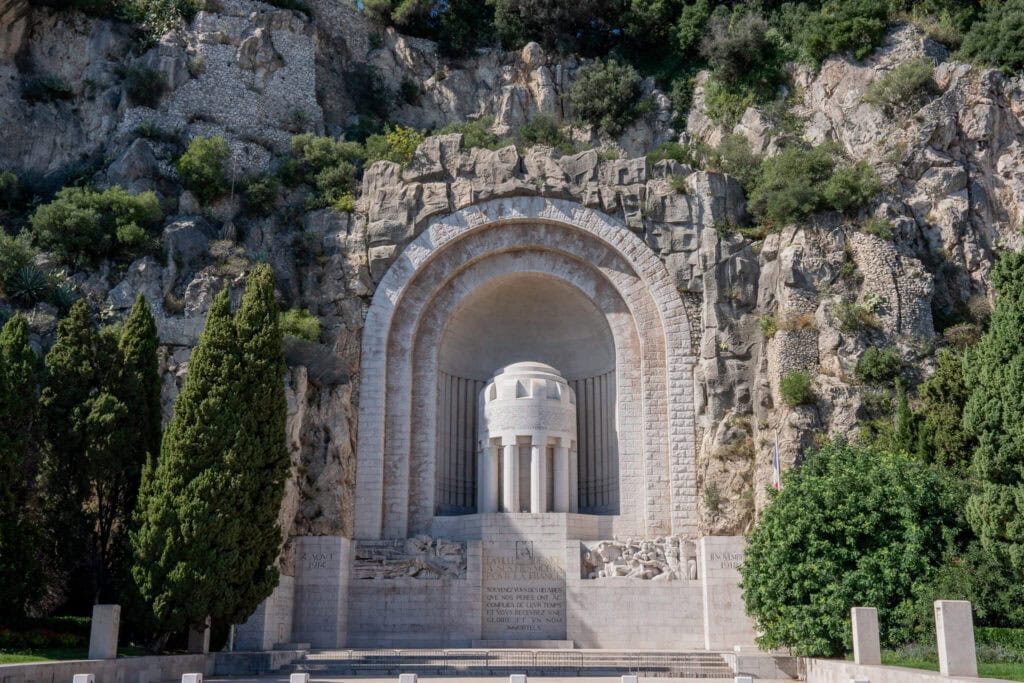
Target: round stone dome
[(528, 399)]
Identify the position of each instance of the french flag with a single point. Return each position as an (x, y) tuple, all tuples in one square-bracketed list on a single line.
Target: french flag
[(776, 472)]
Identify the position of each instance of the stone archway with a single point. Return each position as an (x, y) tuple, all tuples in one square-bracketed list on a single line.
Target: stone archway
[(589, 251)]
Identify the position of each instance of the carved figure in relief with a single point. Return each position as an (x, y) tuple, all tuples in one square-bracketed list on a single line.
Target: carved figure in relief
[(661, 559), (420, 557)]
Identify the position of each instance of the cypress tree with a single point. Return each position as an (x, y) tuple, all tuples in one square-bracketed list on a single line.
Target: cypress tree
[(72, 379), (208, 534), (994, 415), (903, 422), (20, 580)]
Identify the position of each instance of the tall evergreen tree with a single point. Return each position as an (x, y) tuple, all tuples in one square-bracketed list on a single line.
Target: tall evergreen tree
[(72, 379), (903, 438), (994, 415), (208, 534), (20, 580)]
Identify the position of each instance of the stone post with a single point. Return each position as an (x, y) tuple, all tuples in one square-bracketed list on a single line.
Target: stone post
[(560, 479), (487, 479), (199, 639), (866, 646), (538, 480), (106, 621), (510, 496), (954, 627), (726, 624)]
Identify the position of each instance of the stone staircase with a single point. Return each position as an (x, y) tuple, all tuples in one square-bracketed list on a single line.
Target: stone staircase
[(503, 662)]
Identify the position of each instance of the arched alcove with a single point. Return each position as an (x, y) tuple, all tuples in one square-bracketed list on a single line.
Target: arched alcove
[(442, 299), (526, 317)]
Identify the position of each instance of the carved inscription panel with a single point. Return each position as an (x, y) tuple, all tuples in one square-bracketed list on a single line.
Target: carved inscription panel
[(523, 592)]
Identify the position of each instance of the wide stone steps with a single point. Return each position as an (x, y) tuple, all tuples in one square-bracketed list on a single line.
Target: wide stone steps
[(503, 662)]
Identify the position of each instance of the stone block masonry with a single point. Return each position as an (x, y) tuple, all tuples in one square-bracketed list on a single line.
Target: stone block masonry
[(726, 624), (106, 622), (320, 612)]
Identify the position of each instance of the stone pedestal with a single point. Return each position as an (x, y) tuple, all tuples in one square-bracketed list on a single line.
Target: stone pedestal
[(954, 628), (866, 645), (106, 622), (322, 569), (271, 623), (725, 622), (199, 639)]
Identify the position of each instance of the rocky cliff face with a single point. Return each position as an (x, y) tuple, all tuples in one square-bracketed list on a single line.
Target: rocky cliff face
[(954, 193)]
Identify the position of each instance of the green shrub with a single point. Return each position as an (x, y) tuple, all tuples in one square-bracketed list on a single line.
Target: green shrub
[(476, 133), (789, 184), (259, 194), (734, 157), (46, 89), (82, 225), (202, 168), (397, 144), (851, 186), (802, 180), (690, 155), (301, 324), (331, 165), (725, 105), (843, 25), (544, 130), (28, 285), (768, 325), (15, 253), (878, 366), (143, 85), (10, 189), (369, 91), (346, 203), (994, 39), (854, 317), (607, 95), (879, 227), (795, 388), (903, 89), (157, 17)]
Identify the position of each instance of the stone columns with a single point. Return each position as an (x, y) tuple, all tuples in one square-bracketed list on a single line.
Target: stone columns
[(560, 479), (574, 480), (510, 496), (954, 627), (538, 475), (487, 479), (106, 621), (866, 647)]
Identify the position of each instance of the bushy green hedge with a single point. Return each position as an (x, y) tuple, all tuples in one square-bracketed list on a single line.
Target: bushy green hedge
[(300, 324), (879, 366), (795, 388), (83, 225), (203, 168), (608, 95), (995, 38), (905, 88)]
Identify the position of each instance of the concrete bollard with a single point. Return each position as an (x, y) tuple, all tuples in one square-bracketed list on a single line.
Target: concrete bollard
[(407, 678), (743, 679), (299, 678), (866, 646), (517, 678), (629, 678), (106, 621), (859, 680), (954, 628), (83, 678), (191, 678), (199, 640)]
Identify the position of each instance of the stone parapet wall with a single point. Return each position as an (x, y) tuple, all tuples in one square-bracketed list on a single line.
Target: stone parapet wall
[(123, 670)]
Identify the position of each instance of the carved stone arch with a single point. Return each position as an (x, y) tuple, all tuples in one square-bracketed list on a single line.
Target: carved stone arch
[(663, 409)]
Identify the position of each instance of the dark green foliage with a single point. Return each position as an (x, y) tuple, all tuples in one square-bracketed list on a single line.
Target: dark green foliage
[(994, 589), (690, 25), (208, 534), (15, 253), (941, 400), (101, 406), (994, 415), (735, 157), (587, 27), (143, 85), (20, 533), (995, 38), (330, 165), (684, 154), (397, 144), (903, 89), (879, 366), (300, 324), (795, 387), (608, 95), (879, 227), (741, 53), (203, 168), (46, 89), (904, 423), (544, 130), (856, 26), (259, 194), (369, 91), (458, 26), (476, 133), (851, 526), (156, 17), (82, 225), (10, 189), (802, 180), (28, 285)]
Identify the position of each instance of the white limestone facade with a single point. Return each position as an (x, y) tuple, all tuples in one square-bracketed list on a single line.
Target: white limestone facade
[(525, 465)]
